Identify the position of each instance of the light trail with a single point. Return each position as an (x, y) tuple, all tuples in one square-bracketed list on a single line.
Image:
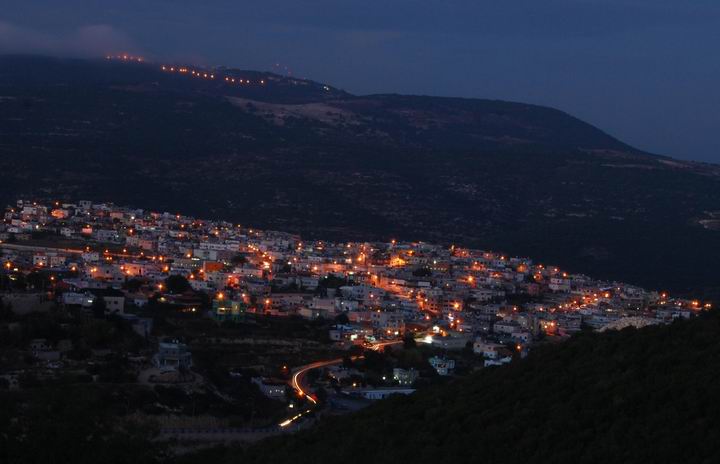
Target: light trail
[(299, 375), (289, 421), (297, 378)]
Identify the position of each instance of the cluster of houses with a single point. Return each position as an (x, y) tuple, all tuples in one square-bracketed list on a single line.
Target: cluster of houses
[(119, 259)]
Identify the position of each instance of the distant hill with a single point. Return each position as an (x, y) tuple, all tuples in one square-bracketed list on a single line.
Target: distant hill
[(306, 157), (634, 396)]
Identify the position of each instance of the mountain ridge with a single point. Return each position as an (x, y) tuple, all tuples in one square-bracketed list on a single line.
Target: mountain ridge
[(484, 173), (336, 96)]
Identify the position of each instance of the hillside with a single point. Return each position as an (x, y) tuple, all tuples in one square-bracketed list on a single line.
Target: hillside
[(305, 157), (634, 396)]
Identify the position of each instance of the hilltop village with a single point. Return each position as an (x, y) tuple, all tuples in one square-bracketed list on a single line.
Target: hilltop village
[(205, 304)]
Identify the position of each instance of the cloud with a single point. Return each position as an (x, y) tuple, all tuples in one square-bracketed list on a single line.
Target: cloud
[(86, 41)]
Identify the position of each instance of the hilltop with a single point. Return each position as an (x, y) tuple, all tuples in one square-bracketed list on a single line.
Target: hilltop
[(302, 156)]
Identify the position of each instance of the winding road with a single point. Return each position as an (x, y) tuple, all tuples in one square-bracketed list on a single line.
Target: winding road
[(303, 390)]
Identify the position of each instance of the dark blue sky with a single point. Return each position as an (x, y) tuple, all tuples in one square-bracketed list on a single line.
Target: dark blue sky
[(646, 71)]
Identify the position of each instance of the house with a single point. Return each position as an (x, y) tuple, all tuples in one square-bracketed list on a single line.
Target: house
[(322, 304), (44, 350), (522, 337), (172, 355), (106, 235), (497, 361), (40, 259), (77, 298), (226, 309), (375, 394), (507, 327), (141, 325), (558, 284), (488, 350), (405, 376), (442, 366), (91, 256), (114, 300), (343, 305), (388, 322), (57, 261), (312, 314), (450, 341), (273, 389)]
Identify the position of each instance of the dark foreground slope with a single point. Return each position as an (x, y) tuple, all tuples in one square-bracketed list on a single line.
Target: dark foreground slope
[(623, 397), (636, 396), (304, 157)]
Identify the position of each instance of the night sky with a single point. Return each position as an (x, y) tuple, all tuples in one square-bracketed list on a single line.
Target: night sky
[(646, 71)]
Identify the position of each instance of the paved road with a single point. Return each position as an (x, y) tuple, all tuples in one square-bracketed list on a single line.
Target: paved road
[(298, 377)]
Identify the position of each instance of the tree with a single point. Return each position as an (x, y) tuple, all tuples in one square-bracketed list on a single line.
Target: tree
[(6, 312), (285, 268), (177, 284), (409, 341), (342, 318), (133, 285), (422, 272), (332, 281), (374, 360), (238, 259), (321, 395), (37, 280), (98, 307)]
